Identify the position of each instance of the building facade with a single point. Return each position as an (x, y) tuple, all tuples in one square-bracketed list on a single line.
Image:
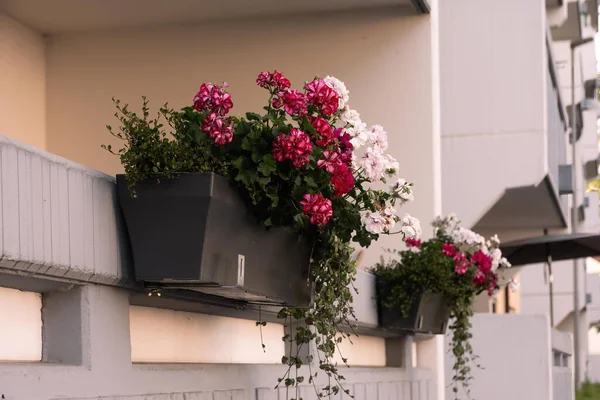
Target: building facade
[(458, 85)]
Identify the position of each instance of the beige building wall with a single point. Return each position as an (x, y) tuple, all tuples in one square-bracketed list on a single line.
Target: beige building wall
[(387, 61), (22, 83), (390, 63)]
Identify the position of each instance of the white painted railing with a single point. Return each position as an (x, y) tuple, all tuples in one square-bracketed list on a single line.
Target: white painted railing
[(57, 218)]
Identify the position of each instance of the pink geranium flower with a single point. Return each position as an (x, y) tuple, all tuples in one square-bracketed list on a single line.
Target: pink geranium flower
[(213, 98), (273, 81), (483, 261), (218, 128), (295, 147), (410, 242), (449, 250), (322, 96), (479, 278), (317, 208), (342, 180), (292, 101), (461, 268), (330, 162)]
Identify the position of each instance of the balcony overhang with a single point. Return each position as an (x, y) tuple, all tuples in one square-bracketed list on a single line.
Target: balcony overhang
[(554, 3), (61, 16), (527, 207), (592, 8), (572, 28)]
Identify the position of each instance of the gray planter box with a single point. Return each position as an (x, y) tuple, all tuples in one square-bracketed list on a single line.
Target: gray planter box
[(428, 315), (195, 233)]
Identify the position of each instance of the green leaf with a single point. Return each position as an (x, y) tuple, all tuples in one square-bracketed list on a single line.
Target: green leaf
[(247, 144), (242, 128), (264, 180), (155, 170), (246, 177), (239, 162), (268, 165), (300, 220), (253, 116), (255, 132), (308, 128), (272, 193), (284, 173), (256, 154), (310, 181)]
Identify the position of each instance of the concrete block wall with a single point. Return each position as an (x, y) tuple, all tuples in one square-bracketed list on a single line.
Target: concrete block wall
[(87, 355)]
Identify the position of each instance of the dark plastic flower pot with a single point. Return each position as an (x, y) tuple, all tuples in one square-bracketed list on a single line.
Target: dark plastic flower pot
[(428, 315), (195, 232)]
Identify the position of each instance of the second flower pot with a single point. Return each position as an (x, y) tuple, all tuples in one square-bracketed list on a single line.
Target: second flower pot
[(428, 314)]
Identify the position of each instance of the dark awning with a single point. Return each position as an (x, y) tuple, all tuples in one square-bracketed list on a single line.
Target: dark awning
[(558, 247)]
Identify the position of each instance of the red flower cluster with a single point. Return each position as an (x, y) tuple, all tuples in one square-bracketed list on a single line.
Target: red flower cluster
[(410, 242), (461, 264), (448, 249), (295, 147), (325, 131), (215, 101), (213, 98), (318, 208), (217, 128), (273, 81), (337, 156), (293, 102), (483, 261), (342, 180), (345, 146), (331, 161), (479, 278), (322, 96)]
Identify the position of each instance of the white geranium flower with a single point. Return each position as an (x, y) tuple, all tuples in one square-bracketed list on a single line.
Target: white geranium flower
[(514, 285), (391, 164), (350, 117), (360, 135), (402, 190), (389, 213), (340, 89), (496, 256), (466, 240), (495, 241), (379, 137), (374, 222), (373, 164), (411, 226), (504, 263)]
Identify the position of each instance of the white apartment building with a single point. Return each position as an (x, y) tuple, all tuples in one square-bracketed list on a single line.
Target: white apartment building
[(507, 147), (473, 94)]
